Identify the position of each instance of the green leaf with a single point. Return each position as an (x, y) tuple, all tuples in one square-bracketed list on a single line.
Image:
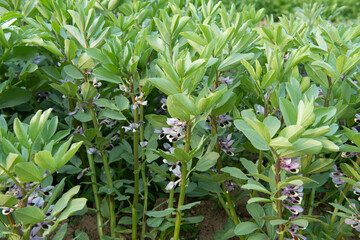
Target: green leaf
[(104, 74), (85, 62), (73, 72), (74, 206), (164, 85), (326, 67), (62, 160), (272, 124), (14, 96), (88, 91), (116, 115), (156, 43), (257, 212), (103, 102), (28, 172), (29, 215), (157, 121), (20, 133), (257, 187), (268, 79), (179, 106), (60, 234), (74, 32), (235, 172), (64, 200), (288, 112), (317, 75), (122, 102), (70, 49), (222, 40), (45, 160), (207, 161), (234, 60), (256, 140), (280, 143), (303, 146), (245, 228), (159, 214), (188, 206), (7, 200)]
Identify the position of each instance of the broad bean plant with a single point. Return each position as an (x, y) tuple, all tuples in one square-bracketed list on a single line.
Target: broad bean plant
[(108, 106)]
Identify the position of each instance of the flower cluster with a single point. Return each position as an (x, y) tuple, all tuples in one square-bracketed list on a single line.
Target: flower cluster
[(335, 176), (226, 80), (354, 220), (223, 120), (175, 132), (293, 231), (174, 168), (290, 164), (138, 101), (225, 145), (132, 126), (294, 195)]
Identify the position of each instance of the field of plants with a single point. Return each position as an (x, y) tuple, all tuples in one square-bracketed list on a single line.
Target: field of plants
[(180, 119)]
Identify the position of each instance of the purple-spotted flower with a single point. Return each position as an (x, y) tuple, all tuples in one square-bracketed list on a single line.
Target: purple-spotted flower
[(293, 231), (354, 220), (172, 184), (163, 106), (226, 80), (290, 164), (223, 120), (174, 167), (174, 132), (132, 126), (225, 145), (294, 193), (138, 101), (335, 176)]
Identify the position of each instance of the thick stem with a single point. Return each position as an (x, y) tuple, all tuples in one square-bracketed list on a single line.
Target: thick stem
[(311, 201), (261, 153), (143, 174), (327, 98), (136, 174), (95, 191), (108, 177), (183, 183), (229, 202), (278, 194)]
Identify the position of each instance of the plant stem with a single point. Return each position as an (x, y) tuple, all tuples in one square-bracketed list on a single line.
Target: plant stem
[(136, 173), (229, 202), (95, 191), (108, 177), (311, 201), (278, 194), (327, 98), (183, 183), (143, 174), (261, 153)]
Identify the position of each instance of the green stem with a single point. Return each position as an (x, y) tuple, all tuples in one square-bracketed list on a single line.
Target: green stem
[(327, 98), (95, 191), (183, 183), (108, 177), (261, 153), (278, 194), (229, 201), (143, 174), (311, 201), (136, 174)]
